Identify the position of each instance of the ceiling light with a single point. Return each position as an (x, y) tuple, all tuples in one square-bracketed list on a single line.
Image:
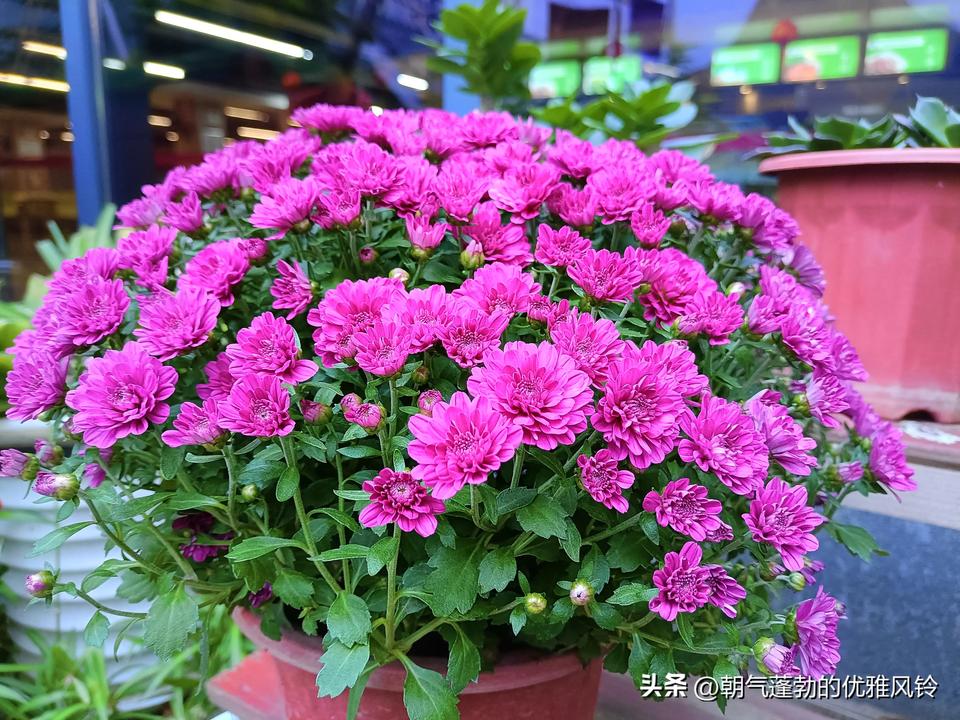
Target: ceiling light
[(228, 33), (256, 133), (34, 82), (44, 134), (167, 71), (43, 48), (172, 136), (114, 64), (66, 136), (245, 114), (159, 120), (413, 82), (376, 110)]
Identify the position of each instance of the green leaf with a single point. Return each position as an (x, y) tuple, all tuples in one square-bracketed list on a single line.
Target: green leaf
[(544, 517), (171, 458), (855, 539), (632, 593), (453, 584), (518, 618), (497, 569), (572, 543), (183, 500), (463, 665), (57, 537), (606, 616), (641, 656), (514, 498), (650, 528), (293, 588), (342, 518), (595, 568), (662, 663), (95, 633), (255, 547), (172, 617), (685, 628), (263, 469), (344, 552), (288, 483), (342, 665), (359, 451), (107, 569), (349, 619), (426, 695), (381, 554)]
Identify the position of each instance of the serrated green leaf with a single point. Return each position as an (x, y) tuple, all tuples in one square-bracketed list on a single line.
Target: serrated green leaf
[(606, 616), (263, 469), (650, 528), (172, 618), (96, 631), (497, 569), (358, 451), (518, 618), (641, 655), (463, 665), (632, 593), (572, 543), (171, 459), (685, 629), (381, 554), (341, 666), (426, 695), (513, 499), (57, 537), (344, 552), (348, 619), (453, 584), (255, 547), (295, 589), (543, 517), (342, 518)]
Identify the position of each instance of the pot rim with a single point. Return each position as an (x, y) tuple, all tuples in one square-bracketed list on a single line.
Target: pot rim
[(869, 156), (518, 669)]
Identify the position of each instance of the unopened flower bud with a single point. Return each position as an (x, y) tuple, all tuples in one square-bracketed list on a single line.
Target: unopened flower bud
[(736, 288), (535, 603), (421, 375), (62, 486), (790, 627), (368, 255), (420, 254), (399, 274), (47, 453), (350, 401), (770, 571), (427, 400), (772, 659), (801, 404), (315, 413), (369, 416), (250, 492), (302, 226), (40, 584), (581, 592), (14, 463), (796, 581), (94, 475), (472, 257)]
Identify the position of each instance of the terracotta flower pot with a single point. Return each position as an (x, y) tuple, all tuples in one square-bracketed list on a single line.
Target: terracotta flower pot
[(521, 686), (885, 226)]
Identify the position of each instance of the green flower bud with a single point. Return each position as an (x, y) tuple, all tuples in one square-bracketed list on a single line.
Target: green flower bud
[(581, 592), (40, 584), (535, 603), (471, 259), (421, 375), (250, 492), (399, 274), (796, 581)]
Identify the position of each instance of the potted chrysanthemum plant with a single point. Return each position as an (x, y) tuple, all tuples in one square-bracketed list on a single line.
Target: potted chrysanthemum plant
[(452, 411)]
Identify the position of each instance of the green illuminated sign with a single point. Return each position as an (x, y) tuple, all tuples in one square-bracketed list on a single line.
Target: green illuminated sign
[(603, 74), (560, 78), (907, 51), (821, 58), (745, 64)]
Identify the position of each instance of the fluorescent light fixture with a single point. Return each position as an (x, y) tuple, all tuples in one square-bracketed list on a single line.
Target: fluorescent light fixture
[(44, 134), (256, 133), (35, 46), (376, 110), (114, 64), (228, 33), (159, 120), (66, 136), (34, 82), (168, 71), (245, 114), (172, 136), (413, 82)]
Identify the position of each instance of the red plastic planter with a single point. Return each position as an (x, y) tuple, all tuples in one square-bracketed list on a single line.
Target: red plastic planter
[(885, 225), (279, 682)]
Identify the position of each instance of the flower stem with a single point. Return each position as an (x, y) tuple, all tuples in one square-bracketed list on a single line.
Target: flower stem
[(517, 466), (620, 527), (188, 571), (341, 533), (390, 627), (103, 608), (231, 462)]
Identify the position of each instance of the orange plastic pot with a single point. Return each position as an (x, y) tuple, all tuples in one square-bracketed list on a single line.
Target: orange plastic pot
[(521, 687), (885, 225)]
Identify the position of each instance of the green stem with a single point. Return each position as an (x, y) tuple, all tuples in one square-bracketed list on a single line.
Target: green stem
[(390, 627), (103, 608), (620, 527), (517, 466), (409, 641), (118, 541), (231, 462), (475, 506), (394, 409), (341, 533), (553, 285), (188, 571), (573, 458)]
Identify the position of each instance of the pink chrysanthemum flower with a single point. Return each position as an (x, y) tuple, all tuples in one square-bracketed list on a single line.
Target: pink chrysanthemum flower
[(14, 463), (338, 208), (725, 592), (686, 508), (538, 389), (462, 442), (723, 440), (499, 288), (888, 458), (713, 314), (371, 171), (523, 189), (121, 394), (783, 435), (383, 348), (290, 202), (675, 165), (139, 213), (460, 186), (217, 269), (74, 275), (258, 406), (487, 129), (346, 311), (809, 271), (638, 412), (724, 533), (818, 647), (674, 281), (471, 332), (560, 248), (171, 324), (426, 312), (195, 425), (605, 276), (575, 207), (427, 400), (682, 583), (146, 253), (292, 289), (604, 481), (592, 343), (425, 235), (397, 497), (270, 347), (414, 196), (185, 215), (499, 243), (571, 155), (327, 118), (780, 517), (89, 315), (649, 225), (715, 201), (219, 379), (369, 416), (620, 191), (805, 332), (846, 362), (825, 395), (674, 361), (37, 383)]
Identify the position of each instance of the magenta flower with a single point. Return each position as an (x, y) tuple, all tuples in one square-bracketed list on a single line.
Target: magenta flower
[(217, 269), (674, 361), (40, 584), (682, 583), (675, 165), (888, 459), (94, 475), (338, 209), (649, 225), (261, 596), (146, 253), (172, 324), (850, 472), (572, 156), (604, 481), (427, 400), (462, 442), (121, 394), (460, 185), (713, 314), (219, 379), (638, 412), (499, 243), (327, 118), (61, 486), (258, 406), (674, 280), (292, 289), (397, 497), (825, 395), (724, 533), (424, 235), (498, 287), (560, 248), (605, 276), (367, 415), (619, 190), (370, 170), (593, 344), (290, 201), (725, 592), (575, 207), (780, 517), (818, 647), (686, 508), (37, 383), (269, 347), (538, 389), (186, 215), (523, 189), (782, 434), (14, 463), (426, 312), (471, 333), (846, 362), (808, 270), (383, 348), (805, 332), (724, 441), (195, 425), (715, 201), (89, 315)]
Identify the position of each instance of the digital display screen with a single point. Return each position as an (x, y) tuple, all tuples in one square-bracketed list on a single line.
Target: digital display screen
[(906, 51), (608, 74), (745, 65), (559, 78), (821, 59)]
